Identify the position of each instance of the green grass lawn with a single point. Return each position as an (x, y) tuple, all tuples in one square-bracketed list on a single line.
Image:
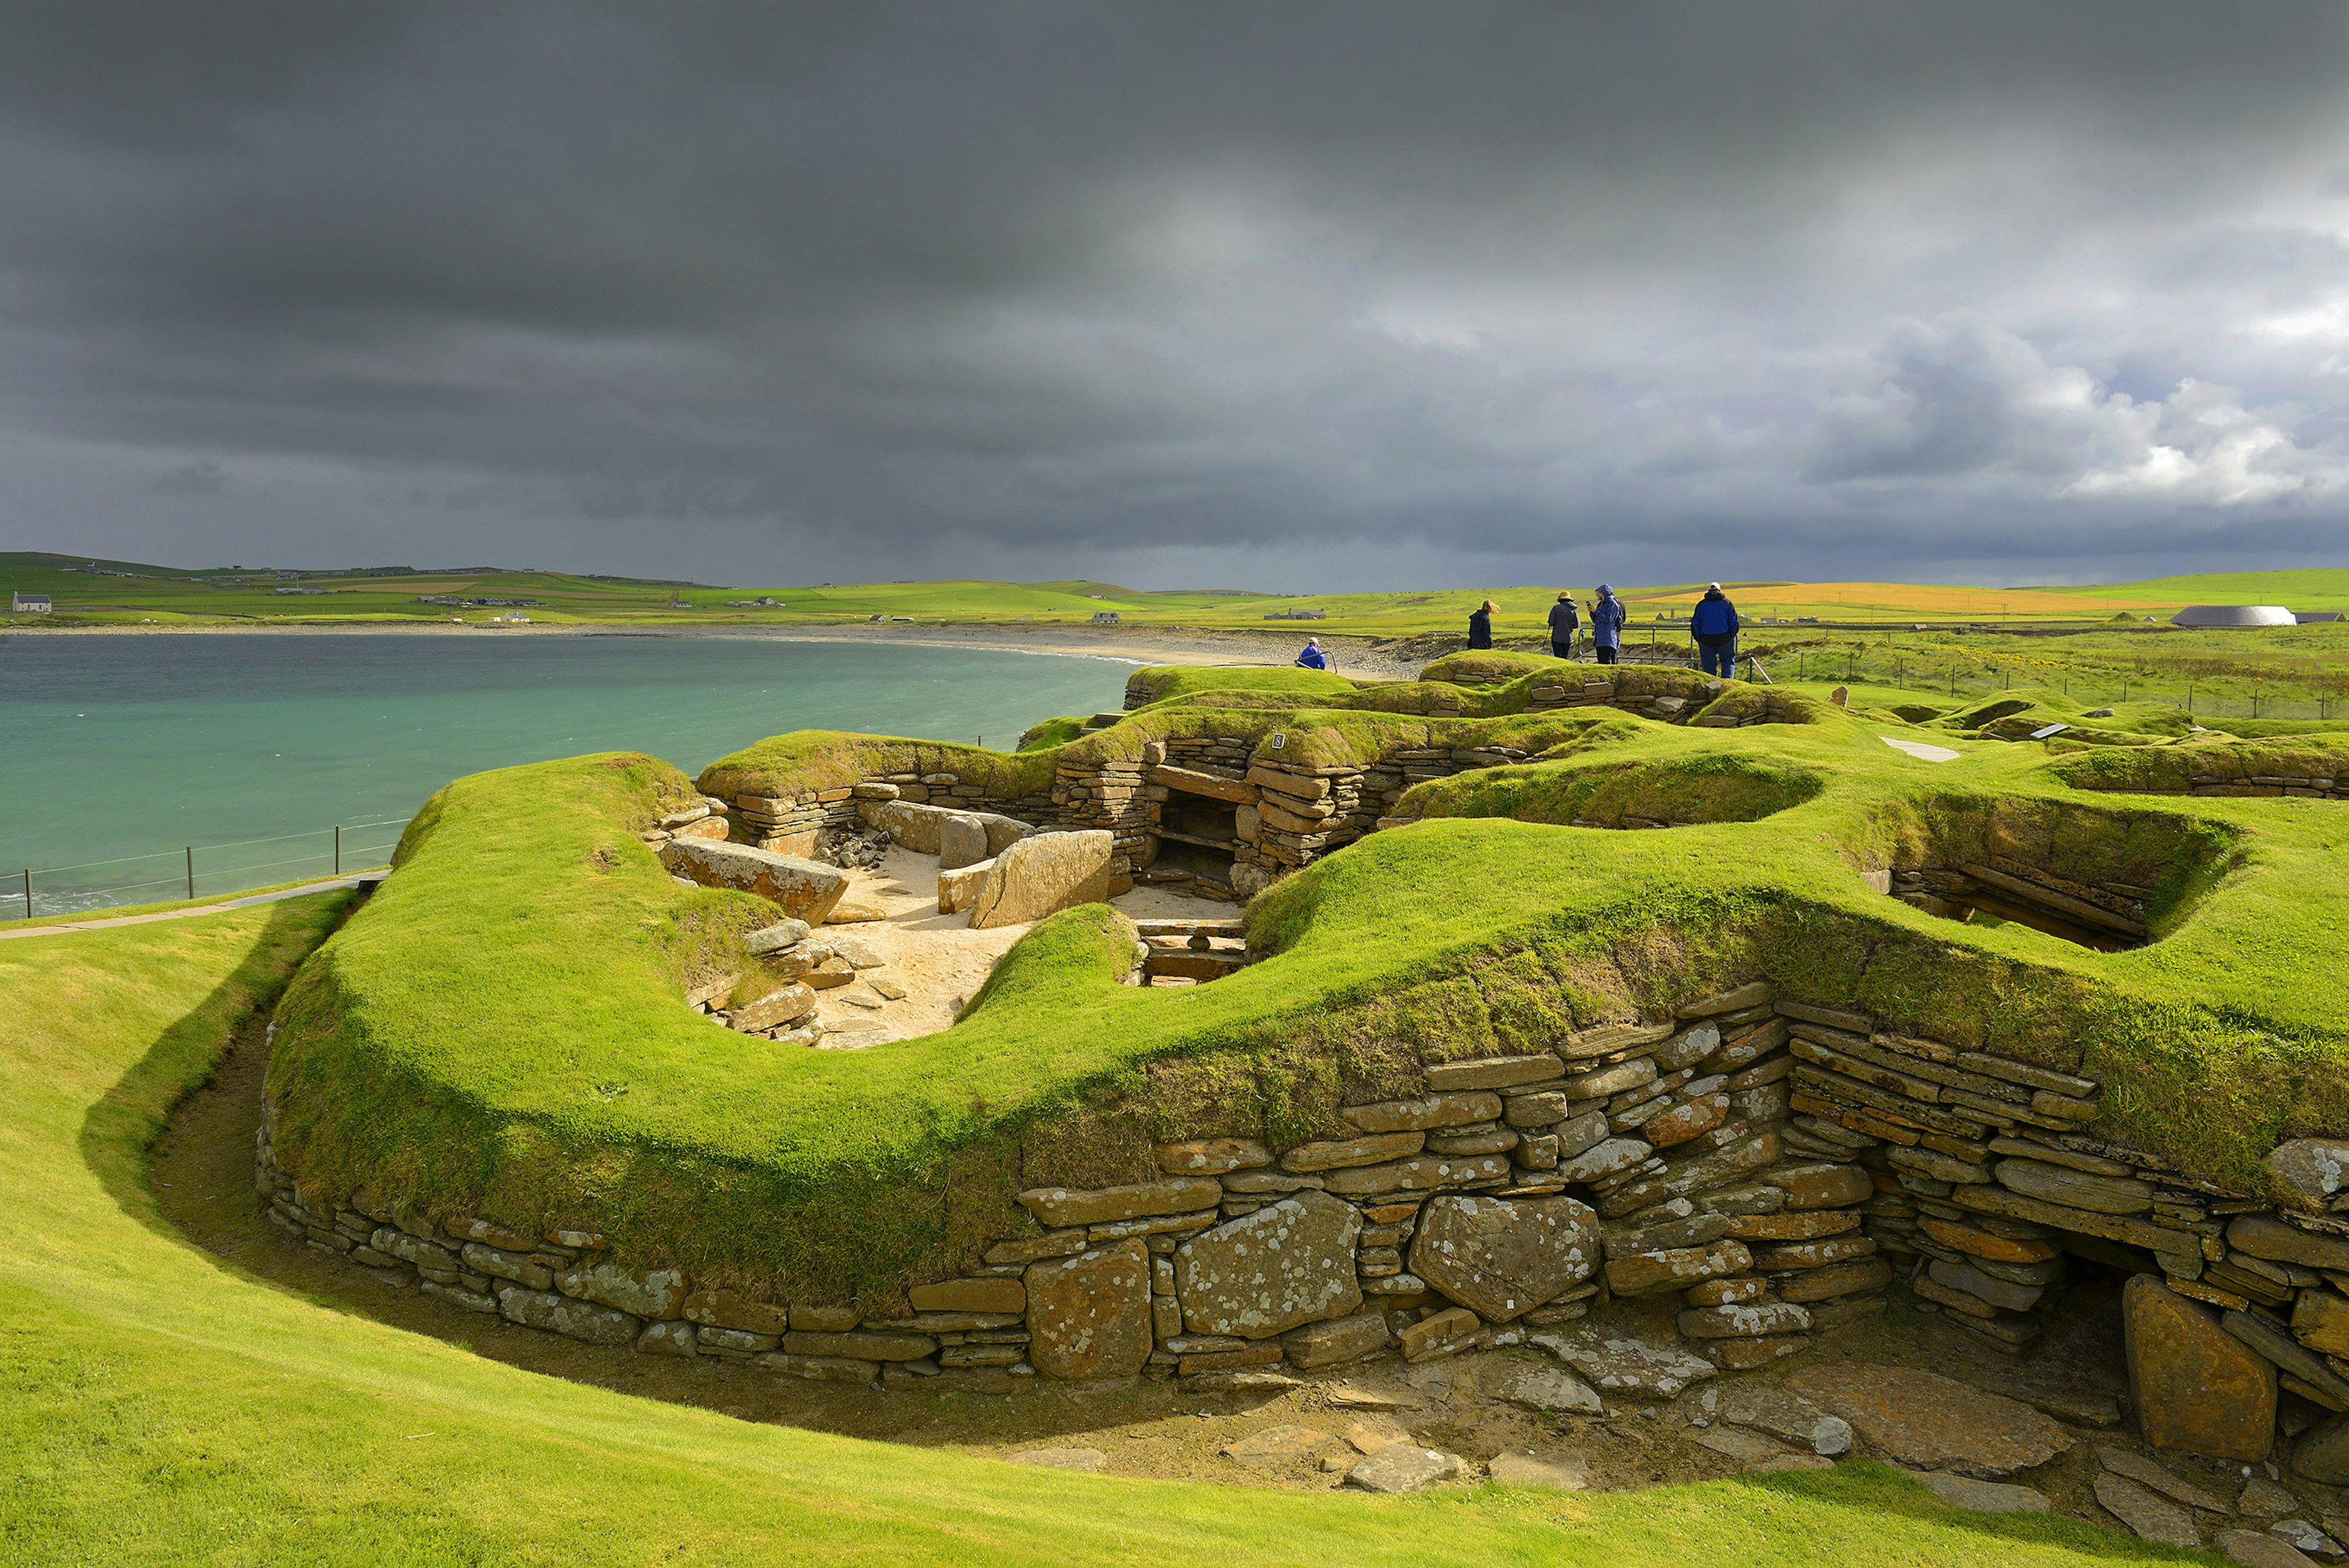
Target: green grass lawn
[(161, 1407)]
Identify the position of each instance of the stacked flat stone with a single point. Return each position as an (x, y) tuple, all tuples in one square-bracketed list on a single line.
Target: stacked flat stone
[(1753, 1162), (2106, 914), (704, 818), (1468, 1215)]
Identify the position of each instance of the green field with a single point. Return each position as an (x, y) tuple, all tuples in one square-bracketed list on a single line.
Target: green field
[(176, 597), (163, 1407)]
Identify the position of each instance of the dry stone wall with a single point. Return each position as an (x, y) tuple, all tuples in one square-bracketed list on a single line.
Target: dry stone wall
[(1760, 1167)]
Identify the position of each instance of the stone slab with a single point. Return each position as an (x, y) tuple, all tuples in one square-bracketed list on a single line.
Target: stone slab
[(1982, 1497), (1089, 1316), (2148, 1515), (2194, 1386), (1929, 1422), (805, 890), (1043, 875), (1502, 1257), (1288, 1263), (1560, 1473)]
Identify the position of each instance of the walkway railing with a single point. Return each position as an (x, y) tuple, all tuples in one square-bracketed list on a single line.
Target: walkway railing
[(193, 870)]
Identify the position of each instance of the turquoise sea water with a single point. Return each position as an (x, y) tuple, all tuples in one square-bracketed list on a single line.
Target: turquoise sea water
[(124, 751)]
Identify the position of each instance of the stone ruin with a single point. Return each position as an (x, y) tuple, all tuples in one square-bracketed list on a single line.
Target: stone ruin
[(1739, 1176), (1654, 1204)]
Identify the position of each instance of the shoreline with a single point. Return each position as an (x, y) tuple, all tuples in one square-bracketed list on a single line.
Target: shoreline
[(1359, 658)]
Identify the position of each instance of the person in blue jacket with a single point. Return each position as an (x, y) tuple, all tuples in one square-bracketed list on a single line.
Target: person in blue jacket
[(1607, 619), (1714, 626), (1313, 658), (1565, 626)]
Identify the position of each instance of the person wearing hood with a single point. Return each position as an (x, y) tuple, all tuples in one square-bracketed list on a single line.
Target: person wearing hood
[(1607, 619), (1480, 625), (1312, 658), (1565, 626), (1713, 624)]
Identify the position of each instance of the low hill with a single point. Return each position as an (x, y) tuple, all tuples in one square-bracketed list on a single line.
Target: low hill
[(101, 592)]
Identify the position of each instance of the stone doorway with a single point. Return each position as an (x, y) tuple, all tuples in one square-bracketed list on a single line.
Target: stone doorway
[(1196, 839)]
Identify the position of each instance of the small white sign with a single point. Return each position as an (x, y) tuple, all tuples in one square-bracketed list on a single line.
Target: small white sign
[(2049, 730), (1277, 742)]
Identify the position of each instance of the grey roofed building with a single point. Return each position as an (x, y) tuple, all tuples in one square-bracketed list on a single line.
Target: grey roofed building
[(2234, 615), (29, 604)]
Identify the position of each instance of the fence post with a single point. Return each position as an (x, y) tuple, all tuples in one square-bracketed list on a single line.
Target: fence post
[(338, 849), (191, 871), (29, 892)]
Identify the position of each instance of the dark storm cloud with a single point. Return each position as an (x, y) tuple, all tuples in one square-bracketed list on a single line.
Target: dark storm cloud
[(813, 291)]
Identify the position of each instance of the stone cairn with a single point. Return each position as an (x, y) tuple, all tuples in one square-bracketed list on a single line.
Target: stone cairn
[(1756, 1165)]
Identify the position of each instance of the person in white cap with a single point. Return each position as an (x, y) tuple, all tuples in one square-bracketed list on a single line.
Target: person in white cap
[(1607, 619), (1713, 624), (1313, 658)]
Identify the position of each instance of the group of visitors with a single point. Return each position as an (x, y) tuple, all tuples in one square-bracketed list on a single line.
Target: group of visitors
[(1712, 625)]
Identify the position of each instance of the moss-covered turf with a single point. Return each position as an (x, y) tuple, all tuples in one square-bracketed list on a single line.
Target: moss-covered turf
[(501, 1031), (163, 1407)]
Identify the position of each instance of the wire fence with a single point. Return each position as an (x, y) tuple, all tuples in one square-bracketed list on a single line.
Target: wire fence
[(1958, 675), (197, 870)]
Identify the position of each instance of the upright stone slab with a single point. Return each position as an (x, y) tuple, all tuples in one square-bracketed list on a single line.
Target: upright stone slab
[(1505, 1256), (1288, 1263), (1089, 1316), (2195, 1387), (909, 824), (1043, 874), (962, 841), (805, 890)]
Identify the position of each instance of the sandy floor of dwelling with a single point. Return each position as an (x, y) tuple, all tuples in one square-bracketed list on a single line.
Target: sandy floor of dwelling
[(939, 960)]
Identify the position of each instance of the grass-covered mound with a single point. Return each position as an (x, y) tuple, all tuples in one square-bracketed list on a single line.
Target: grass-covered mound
[(164, 1406), (501, 1031), (2173, 770), (1171, 682)]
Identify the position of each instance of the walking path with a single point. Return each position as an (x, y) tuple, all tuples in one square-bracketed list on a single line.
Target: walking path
[(306, 889), (1921, 749)]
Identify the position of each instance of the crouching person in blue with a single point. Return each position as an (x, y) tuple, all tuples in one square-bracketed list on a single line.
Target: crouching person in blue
[(1313, 658), (1714, 627)]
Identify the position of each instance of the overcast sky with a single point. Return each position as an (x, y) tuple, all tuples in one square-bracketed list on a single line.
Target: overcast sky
[(1300, 296)]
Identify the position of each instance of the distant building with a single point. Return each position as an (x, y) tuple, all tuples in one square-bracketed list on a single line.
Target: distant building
[(2234, 615), (1297, 615), (29, 604), (1105, 618), (2317, 617), (297, 590)]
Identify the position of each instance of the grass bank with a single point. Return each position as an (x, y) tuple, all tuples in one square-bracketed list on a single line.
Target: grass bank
[(164, 1407)]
